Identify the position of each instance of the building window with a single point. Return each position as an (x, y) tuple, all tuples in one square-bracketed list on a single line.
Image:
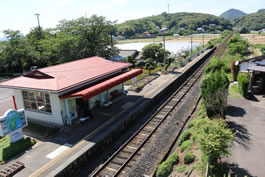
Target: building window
[(37, 101)]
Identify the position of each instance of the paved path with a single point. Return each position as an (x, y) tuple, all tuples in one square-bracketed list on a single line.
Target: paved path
[(248, 149)]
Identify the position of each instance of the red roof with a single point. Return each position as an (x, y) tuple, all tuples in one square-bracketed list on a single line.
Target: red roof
[(101, 87), (67, 75)]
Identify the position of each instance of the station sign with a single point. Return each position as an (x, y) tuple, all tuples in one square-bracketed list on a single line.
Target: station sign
[(12, 122)]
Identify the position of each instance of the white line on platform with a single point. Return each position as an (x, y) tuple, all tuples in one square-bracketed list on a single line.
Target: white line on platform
[(58, 151)]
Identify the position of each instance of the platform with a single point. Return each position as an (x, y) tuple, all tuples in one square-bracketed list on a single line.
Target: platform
[(82, 137)]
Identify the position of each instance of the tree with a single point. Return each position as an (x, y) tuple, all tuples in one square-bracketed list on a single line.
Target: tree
[(13, 51), (93, 35), (237, 46), (149, 64), (131, 60), (155, 52)]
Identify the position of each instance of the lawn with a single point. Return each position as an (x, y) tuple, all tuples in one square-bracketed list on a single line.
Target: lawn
[(233, 91), (144, 74), (9, 150)]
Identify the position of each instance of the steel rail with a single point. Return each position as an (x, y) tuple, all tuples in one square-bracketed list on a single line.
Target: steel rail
[(198, 71)]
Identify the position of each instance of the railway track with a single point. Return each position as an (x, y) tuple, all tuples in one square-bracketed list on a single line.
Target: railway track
[(220, 49), (124, 158)]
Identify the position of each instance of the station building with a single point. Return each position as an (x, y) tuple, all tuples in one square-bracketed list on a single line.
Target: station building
[(59, 94)]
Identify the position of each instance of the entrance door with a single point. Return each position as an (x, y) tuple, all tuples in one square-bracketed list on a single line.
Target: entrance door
[(82, 107), (72, 108)]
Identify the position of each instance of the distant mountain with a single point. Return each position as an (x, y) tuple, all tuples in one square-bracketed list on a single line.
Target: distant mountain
[(254, 21), (261, 10), (233, 14)]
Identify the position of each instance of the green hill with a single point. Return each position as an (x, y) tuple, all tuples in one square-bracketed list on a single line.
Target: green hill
[(232, 14), (254, 21), (261, 10), (181, 23)]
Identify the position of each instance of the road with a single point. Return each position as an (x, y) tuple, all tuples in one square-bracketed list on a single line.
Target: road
[(6, 101), (247, 119)]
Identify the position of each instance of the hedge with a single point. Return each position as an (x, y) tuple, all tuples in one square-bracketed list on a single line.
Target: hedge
[(243, 83), (188, 158), (166, 167)]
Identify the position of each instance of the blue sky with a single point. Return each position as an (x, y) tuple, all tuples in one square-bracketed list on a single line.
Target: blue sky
[(19, 14)]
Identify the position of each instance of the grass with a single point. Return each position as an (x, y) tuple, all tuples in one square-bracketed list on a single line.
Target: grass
[(139, 85), (186, 145), (234, 92), (144, 74), (9, 150), (181, 169)]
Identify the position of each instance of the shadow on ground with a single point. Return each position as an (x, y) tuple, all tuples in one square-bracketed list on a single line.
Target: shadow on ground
[(242, 136), (234, 111), (253, 98), (236, 171)]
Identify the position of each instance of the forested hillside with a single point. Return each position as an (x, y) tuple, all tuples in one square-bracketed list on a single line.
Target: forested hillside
[(254, 21), (232, 14), (181, 23)]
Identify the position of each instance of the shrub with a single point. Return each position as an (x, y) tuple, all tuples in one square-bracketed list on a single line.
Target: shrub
[(215, 65), (236, 45), (243, 83), (214, 91), (188, 158), (166, 167), (164, 170), (186, 145), (181, 169), (15, 148), (214, 139), (184, 136)]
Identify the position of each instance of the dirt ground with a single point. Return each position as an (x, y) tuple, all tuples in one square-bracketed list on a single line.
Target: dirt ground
[(254, 38)]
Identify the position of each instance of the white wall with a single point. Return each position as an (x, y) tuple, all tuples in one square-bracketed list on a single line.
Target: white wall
[(118, 87), (53, 118), (93, 100)]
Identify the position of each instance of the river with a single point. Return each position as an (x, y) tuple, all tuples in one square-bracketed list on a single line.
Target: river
[(171, 46)]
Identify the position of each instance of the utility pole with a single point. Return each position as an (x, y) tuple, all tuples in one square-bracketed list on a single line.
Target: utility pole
[(39, 24), (112, 45), (164, 42), (191, 44), (164, 50), (203, 40), (167, 8)]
